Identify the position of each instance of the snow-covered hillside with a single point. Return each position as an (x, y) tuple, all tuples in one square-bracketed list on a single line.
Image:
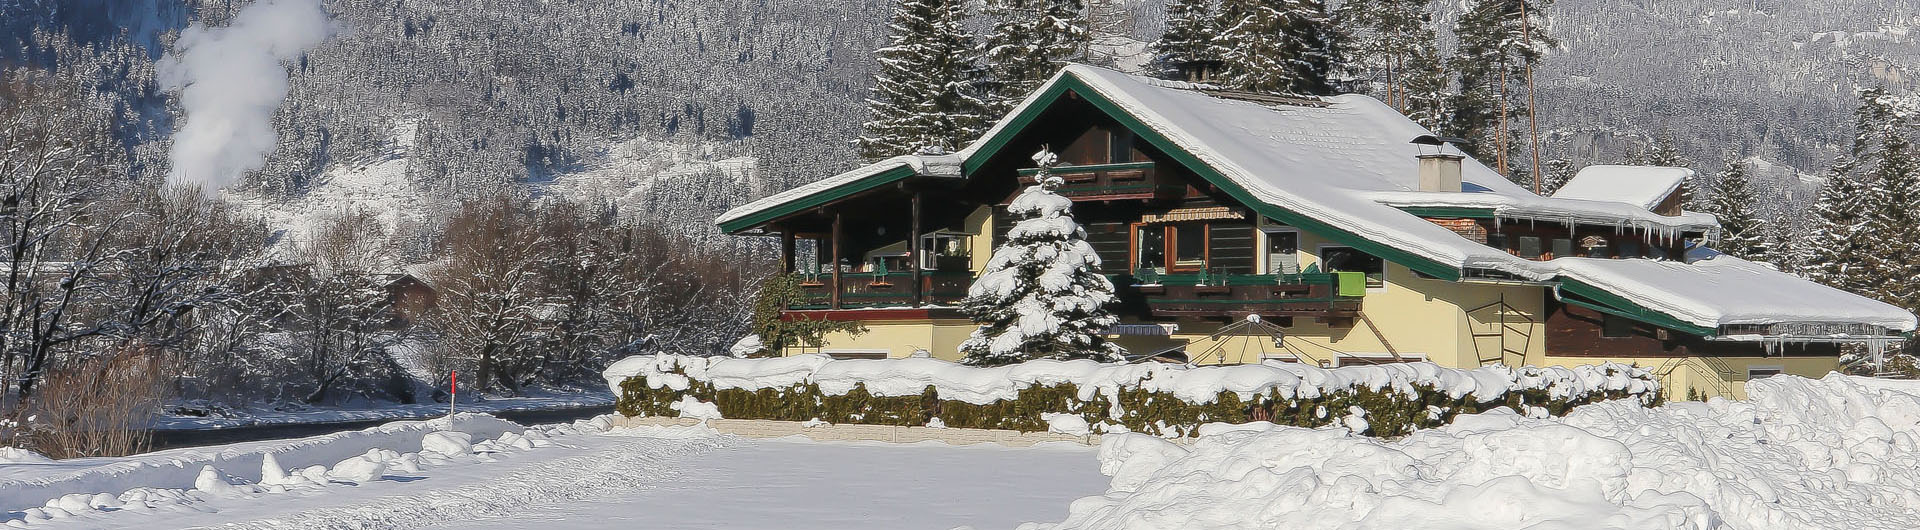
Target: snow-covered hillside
[(623, 175)]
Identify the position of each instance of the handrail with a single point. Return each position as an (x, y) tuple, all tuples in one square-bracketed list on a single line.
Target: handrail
[(1089, 168)]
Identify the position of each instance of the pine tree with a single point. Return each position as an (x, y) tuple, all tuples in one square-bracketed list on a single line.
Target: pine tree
[(1556, 174), (926, 94), (1042, 295), (1031, 40), (1188, 42), (1841, 239), (1784, 247), (1314, 43), (1392, 46), (1893, 257), (1497, 46), (1280, 46), (1741, 228)]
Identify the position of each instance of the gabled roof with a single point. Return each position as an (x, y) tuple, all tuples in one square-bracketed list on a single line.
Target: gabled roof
[(1344, 168), (1643, 186)]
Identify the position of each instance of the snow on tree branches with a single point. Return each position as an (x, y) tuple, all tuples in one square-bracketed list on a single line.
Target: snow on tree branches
[(1042, 295), (925, 96), (1031, 40), (1732, 201)]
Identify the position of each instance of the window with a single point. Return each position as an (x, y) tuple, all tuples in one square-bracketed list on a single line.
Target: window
[(1616, 327), (1530, 247), (1173, 247), (1119, 146), (1629, 249), (1562, 247), (1763, 372), (1283, 251), (1347, 259), (1151, 248), (1190, 246)]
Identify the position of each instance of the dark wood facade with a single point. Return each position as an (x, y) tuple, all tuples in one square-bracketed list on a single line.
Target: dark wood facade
[(1574, 331)]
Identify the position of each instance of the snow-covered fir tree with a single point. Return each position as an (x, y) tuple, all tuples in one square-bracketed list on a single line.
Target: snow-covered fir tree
[(1188, 42), (1042, 295), (1893, 211), (1555, 173), (926, 95), (1496, 45), (1845, 208), (1741, 228), (1393, 50), (1279, 46), (1031, 40)]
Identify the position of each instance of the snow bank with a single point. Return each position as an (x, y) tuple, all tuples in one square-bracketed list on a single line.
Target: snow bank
[(1196, 385), (1837, 452), (29, 485)]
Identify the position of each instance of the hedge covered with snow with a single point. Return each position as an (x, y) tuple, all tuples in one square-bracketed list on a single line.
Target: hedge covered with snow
[(1077, 397)]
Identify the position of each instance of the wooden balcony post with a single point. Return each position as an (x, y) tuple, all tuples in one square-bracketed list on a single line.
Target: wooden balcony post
[(833, 294), (913, 254), (786, 251)]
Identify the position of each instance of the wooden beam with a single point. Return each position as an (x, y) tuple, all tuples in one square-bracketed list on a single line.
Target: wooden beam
[(786, 251), (913, 254), (833, 296)]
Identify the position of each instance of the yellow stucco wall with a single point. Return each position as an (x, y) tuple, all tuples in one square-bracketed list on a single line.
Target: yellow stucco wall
[(1704, 377), (899, 338)]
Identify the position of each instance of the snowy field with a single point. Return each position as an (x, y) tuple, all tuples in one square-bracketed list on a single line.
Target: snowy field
[(1839, 452), (564, 477)]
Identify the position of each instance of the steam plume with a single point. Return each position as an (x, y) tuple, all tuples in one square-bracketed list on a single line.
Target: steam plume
[(231, 80)]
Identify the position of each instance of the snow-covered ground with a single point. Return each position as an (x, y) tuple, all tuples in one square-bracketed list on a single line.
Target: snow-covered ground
[(1839, 452), (536, 399), (573, 476)]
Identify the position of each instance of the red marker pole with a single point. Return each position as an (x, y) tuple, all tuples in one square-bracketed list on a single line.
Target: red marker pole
[(454, 384)]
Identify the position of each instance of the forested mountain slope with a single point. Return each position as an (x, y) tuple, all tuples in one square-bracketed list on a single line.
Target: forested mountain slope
[(499, 93)]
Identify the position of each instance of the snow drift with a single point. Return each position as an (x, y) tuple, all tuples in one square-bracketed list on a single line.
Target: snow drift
[(1838, 452), (28, 485)]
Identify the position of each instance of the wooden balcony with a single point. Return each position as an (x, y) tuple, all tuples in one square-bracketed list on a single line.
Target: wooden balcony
[(1099, 182), (1317, 295), (889, 289)]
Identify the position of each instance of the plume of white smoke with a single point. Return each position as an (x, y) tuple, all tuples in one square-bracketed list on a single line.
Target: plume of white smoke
[(231, 80)]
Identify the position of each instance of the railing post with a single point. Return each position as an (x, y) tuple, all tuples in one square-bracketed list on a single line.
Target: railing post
[(833, 294), (914, 255)]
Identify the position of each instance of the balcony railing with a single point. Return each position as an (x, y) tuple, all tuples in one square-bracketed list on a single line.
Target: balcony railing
[(1202, 294), (886, 289), (1125, 180)]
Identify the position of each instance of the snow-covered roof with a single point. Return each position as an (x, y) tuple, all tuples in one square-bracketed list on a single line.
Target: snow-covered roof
[(930, 165), (1643, 186), (1713, 290), (1555, 209)]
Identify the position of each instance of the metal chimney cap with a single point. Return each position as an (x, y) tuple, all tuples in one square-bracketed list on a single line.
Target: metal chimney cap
[(1428, 139)]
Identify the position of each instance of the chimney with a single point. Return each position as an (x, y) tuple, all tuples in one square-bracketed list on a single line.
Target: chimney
[(1439, 170)]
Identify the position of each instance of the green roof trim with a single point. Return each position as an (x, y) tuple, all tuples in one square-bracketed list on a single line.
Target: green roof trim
[(1067, 82), (1621, 307), (819, 198), (1454, 212)]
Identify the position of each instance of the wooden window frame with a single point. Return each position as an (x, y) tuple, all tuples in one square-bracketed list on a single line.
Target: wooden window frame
[(1170, 245)]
